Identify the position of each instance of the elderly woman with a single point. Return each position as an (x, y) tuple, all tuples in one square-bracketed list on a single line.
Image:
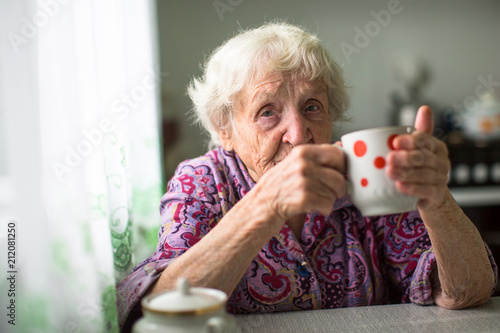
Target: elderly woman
[(264, 216)]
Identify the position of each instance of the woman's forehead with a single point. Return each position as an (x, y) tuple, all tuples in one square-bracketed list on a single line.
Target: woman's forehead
[(273, 84)]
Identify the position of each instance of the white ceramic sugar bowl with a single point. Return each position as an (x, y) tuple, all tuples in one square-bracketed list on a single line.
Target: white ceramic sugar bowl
[(186, 310)]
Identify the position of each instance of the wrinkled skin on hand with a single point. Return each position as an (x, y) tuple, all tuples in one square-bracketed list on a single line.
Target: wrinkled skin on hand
[(420, 164)]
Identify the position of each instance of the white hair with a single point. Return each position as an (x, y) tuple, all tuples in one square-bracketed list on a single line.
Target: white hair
[(278, 47)]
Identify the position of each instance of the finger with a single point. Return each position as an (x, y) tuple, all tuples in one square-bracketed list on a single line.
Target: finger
[(321, 204), (326, 155), (331, 182), (416, 159), (317, 192), (424, 121), (422, 191), (420, 140), (421, 176), (322, 182)]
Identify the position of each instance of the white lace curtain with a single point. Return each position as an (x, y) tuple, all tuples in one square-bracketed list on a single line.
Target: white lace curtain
[(82, 173)]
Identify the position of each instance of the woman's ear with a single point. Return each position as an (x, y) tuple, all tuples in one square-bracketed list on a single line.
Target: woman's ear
[(226, 140)]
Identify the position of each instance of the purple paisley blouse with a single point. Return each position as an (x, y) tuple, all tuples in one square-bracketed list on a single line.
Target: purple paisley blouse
[(340, 260)]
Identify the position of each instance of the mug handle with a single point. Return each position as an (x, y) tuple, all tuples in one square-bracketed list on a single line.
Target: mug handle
[(349, 185)]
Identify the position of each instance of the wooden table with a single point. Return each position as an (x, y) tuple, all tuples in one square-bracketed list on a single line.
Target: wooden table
[(382, 318)]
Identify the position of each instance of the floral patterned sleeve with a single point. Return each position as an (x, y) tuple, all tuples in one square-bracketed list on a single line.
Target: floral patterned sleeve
[(410, 260), (188, 211)]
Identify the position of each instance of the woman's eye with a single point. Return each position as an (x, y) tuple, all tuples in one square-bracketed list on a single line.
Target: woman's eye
[(312, 107), (267, 113)]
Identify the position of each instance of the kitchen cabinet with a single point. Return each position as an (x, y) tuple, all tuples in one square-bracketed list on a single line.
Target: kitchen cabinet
[(474, 181)]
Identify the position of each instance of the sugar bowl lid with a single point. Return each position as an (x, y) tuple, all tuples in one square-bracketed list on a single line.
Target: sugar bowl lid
[(185, 300)]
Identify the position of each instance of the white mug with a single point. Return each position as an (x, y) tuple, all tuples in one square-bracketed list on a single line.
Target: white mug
[(369, 187)]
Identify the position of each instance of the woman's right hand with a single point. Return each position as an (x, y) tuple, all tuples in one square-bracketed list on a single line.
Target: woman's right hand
[(309, 179)]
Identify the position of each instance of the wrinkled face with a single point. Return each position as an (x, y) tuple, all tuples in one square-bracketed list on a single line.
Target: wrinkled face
[(274, 115)]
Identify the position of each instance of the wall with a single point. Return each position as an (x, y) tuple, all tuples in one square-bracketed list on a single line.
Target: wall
[(458, 39), (3, 143)]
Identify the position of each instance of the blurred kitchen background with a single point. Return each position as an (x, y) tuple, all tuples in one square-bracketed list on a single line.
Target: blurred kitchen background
[(396, 55)]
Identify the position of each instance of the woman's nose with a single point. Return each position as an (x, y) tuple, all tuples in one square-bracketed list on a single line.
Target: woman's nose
[(297, 130)]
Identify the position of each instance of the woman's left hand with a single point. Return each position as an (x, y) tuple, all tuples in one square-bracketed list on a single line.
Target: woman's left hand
[(420, 164)]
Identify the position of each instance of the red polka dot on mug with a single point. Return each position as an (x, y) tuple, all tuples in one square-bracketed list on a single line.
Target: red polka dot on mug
[(364, 182), (360, 148), (390, 141), (379, 162)]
